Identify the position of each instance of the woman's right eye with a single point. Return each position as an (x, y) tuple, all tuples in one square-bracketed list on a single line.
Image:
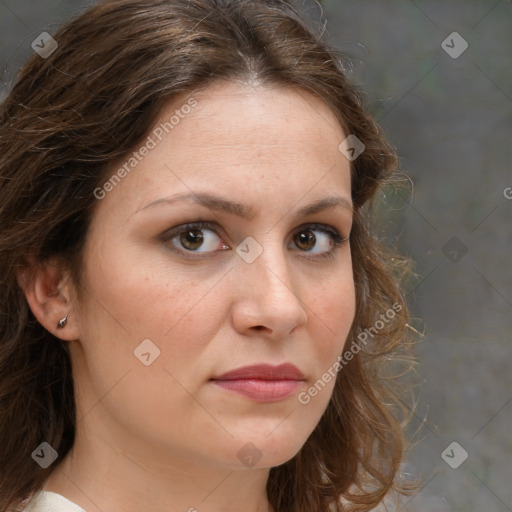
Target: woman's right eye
[(196, 237)]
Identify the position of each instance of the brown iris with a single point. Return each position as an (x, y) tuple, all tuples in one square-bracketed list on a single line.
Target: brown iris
[(191, 239), (305, 240)]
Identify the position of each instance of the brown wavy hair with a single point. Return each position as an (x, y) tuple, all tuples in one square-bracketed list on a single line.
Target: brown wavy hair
[(88, 104)]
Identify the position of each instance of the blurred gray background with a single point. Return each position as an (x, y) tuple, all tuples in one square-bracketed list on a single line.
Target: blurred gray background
[(448, 110)]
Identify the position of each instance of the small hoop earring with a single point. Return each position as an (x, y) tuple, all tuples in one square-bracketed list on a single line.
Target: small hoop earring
[(62, 322)]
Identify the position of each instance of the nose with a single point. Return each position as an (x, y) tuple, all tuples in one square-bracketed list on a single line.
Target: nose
[(266, 299)]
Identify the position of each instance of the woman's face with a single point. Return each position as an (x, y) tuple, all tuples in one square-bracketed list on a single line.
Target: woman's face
[(171, 304)]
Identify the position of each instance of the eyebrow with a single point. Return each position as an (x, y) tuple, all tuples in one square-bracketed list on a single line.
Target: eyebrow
[(246, 212)]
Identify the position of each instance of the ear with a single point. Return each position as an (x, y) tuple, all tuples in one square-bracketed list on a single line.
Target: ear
[(47, 287)]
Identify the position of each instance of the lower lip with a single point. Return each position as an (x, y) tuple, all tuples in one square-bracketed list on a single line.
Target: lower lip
[(261, 390)]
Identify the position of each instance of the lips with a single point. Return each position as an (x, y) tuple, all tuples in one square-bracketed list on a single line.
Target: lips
[(285, 371), (263, 382)]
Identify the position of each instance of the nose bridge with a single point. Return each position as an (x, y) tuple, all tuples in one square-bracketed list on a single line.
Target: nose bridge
[(266, 301), (272, 270), (270, 283)]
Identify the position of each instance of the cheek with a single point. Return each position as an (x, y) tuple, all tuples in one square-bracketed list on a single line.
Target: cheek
[(334, 303), (134, 303), (142, 299), (334, 312)]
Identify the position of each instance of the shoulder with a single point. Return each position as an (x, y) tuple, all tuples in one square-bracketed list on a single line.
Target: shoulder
[(46, 501)]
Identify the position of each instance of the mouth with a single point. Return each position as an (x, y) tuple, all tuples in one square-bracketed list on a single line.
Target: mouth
[(262, 383)]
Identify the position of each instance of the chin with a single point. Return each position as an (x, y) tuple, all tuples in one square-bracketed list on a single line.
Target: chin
[(261, 451)]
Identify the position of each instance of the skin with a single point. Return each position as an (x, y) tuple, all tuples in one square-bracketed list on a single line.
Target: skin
[(164, 437)]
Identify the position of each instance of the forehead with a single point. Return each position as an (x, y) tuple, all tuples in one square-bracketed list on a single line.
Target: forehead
[(230, 115), (256, 141)]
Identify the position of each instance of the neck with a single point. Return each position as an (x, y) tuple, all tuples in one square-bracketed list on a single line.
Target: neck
[(101, 475)]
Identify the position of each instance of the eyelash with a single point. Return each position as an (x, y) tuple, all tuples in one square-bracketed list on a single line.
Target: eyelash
[(337, 240)]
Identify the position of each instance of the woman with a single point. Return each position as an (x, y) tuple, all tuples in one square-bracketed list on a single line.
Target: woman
[(196, 315)]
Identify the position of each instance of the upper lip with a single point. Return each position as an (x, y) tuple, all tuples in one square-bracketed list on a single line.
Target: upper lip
[(285, 371)]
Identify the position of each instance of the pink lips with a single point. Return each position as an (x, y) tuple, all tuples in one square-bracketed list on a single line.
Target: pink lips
[(262, 382)]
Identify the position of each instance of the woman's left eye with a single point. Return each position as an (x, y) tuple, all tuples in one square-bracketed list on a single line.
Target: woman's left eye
[(308, 241), (202, 237)]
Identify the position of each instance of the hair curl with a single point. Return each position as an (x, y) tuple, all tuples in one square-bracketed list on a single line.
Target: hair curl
[(69, 116)]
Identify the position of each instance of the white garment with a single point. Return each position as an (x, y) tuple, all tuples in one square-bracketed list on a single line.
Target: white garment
[(46, 501)]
